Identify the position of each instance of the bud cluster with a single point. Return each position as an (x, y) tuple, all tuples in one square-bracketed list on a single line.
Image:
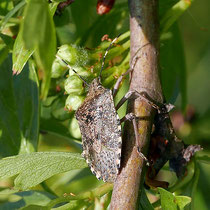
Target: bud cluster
[(87, 63)]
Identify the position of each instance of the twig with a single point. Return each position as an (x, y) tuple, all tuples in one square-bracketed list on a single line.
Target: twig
[(144, 29)]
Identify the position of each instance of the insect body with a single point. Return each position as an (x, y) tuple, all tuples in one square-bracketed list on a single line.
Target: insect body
[(100, 126), (101, 132)]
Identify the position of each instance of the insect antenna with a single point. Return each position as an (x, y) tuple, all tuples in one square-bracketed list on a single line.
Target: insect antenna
[(107, 50), (72, 70)]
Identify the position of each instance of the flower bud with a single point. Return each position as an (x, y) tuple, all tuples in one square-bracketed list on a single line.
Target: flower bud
[(73, 55), (73, 102), (74, 128), (73, 84), (80, 71), (68, 53), (57, 69)]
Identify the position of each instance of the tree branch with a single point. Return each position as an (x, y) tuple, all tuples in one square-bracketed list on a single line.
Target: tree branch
[(144, 31)]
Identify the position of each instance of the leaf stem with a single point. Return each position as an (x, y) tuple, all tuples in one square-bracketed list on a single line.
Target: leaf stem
[(11, 20), (90, 195)]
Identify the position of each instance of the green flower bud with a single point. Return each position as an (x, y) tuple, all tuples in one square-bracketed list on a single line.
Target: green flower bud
[(75, 56), (74, 84), (57, 69), (68, 53), (81, 71), (74, 128), (74, 101)]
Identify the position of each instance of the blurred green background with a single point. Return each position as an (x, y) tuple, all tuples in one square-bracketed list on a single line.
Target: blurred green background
[(195, 30)]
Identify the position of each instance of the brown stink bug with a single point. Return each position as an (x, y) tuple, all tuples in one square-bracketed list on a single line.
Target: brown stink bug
[(100, 126)]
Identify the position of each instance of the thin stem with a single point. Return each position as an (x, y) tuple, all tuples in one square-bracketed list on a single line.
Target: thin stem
[(11, 20), (90, 195)]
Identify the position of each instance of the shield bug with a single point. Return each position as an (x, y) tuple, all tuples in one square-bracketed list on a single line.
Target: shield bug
[(100, 126)]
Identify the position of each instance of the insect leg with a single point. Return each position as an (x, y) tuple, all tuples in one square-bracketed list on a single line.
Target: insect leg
[(133, 63), (134, 94), (119, 80), (132, 117), (160, 107), (127, 96)]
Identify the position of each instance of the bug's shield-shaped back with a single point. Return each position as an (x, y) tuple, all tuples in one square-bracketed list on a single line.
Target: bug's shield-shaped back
[(101, 133)]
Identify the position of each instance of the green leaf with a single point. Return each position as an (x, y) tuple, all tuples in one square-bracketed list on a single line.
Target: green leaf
[(11, 13), (40, 199), (58, 1), (53, 127), (203, 159), (167, 200), (9, 41), (4, 51), (26, 89), (172, 202), (6, 43), (195, 185), (19, 112), (144, 201), (39, 34), (34, 168), (35, 197), (185, 180), (173, 69), (165, 5), (34, 207), (73, 205), (5, 6), (173, 14), (20, 54), (90, 25), (58, 110), (182, 201), (10, 134)]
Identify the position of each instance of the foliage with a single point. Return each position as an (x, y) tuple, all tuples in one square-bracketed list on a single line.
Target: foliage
[(39, 95)]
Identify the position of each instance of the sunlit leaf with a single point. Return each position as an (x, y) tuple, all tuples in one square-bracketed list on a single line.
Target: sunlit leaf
[(39, 34), (182, 201), (11, 13), (172, 202), (34, 168), (173, 14), (20, 54)]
